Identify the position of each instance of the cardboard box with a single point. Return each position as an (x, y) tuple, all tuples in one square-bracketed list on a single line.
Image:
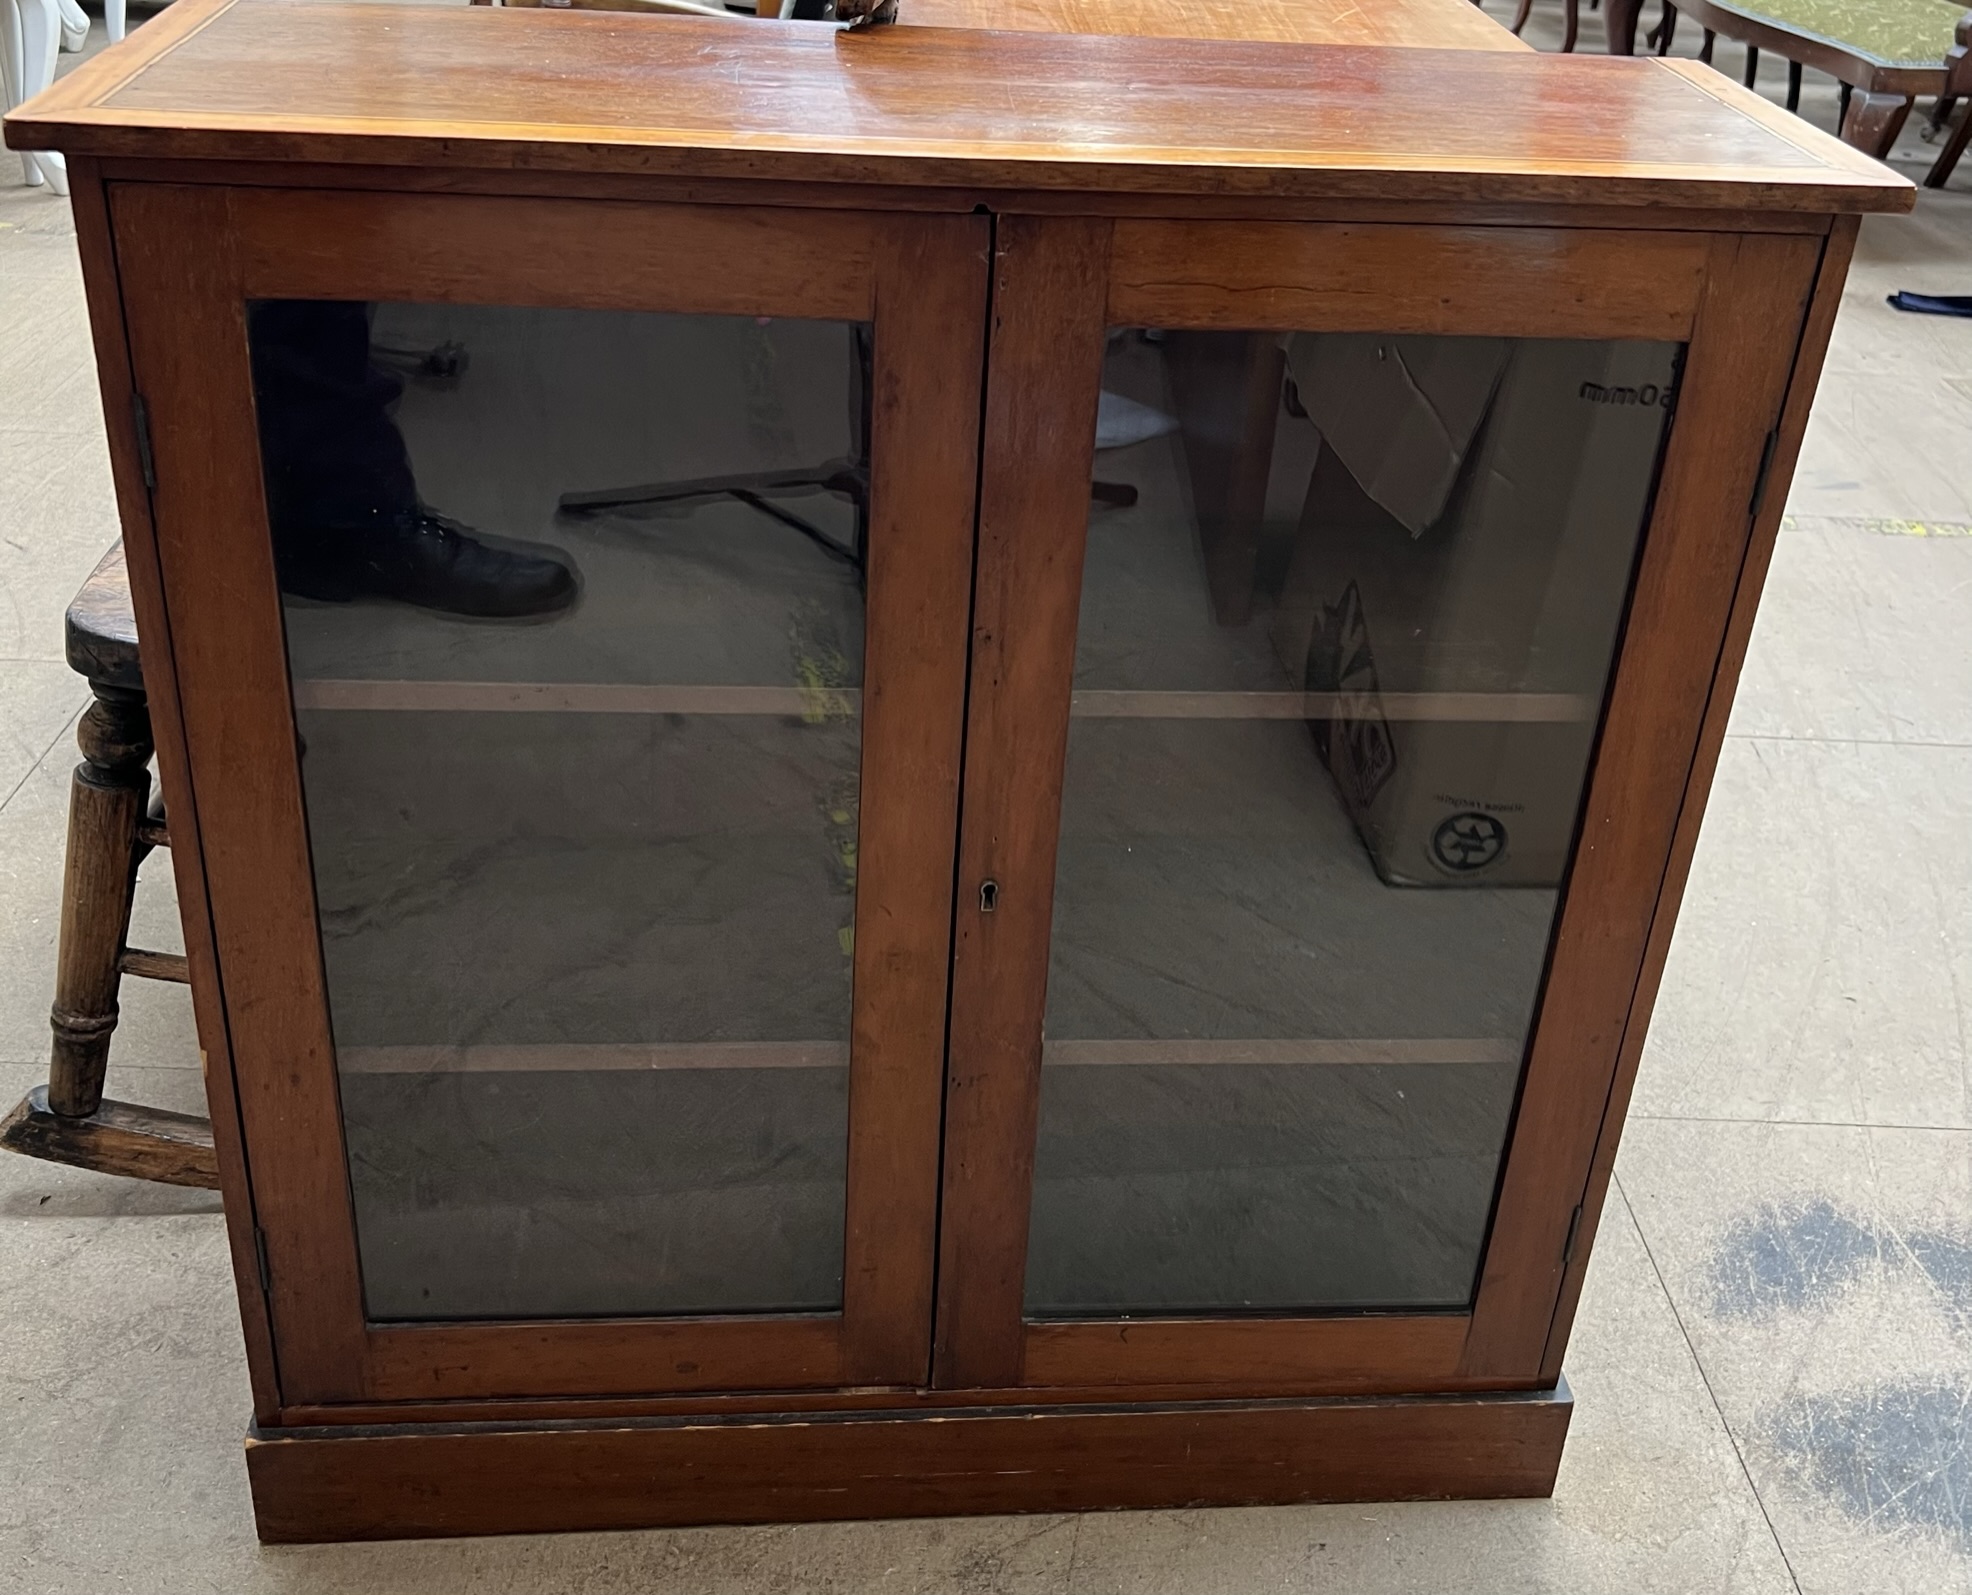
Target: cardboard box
[(1458, 580)]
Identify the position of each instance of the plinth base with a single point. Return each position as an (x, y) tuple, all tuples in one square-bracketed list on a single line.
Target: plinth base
[(412, 1480)]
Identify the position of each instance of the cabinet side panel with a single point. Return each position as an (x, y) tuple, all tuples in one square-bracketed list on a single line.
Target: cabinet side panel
[(1759, 555), (98, 244), (1736, 374), (177, 248)]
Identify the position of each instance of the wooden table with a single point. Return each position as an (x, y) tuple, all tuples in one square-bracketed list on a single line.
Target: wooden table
[(1887, 55), (1092, 955)]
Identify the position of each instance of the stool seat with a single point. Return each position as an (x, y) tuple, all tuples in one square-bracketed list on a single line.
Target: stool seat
[(101, 628)]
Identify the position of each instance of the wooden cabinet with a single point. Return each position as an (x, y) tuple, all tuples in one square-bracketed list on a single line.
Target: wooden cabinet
[(1054, 897)]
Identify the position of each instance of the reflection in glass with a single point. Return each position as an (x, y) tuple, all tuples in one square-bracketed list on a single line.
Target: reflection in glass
[(575, 626), (1349, 608)]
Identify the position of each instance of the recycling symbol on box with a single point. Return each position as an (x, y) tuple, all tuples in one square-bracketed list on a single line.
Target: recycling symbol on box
[(1468, 842)]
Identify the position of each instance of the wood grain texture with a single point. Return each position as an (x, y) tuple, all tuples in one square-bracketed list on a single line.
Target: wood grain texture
[(1285, 1354), (118, 1138), (1301, 1384), (1496, 282), (600, 1357), (1429, 24), (930, 290), (462, 87), (155, 966), (1833, 271), (1735, 378), (323, 1485), (731, 261), (660, 188), (184, 299), (1044, 368), (1776, 119), (109, 796), (100, 626), (102, 284)]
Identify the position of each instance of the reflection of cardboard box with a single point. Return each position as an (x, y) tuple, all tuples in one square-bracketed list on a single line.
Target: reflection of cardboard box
[(1457, 582)]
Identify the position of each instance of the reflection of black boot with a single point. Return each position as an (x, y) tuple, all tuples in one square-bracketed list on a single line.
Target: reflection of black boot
[(424, 559)]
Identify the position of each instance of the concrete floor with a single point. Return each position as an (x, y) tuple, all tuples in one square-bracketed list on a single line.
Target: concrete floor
[(1773, 1362)]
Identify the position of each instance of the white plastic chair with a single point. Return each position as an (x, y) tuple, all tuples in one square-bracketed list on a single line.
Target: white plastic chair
[(30, 34)]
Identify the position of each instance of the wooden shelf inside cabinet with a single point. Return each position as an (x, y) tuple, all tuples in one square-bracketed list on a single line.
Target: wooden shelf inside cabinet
[(1271, 1052), (1094, 703), (1263, 1052), (938, 1023), (1532, 708), (573, 697)]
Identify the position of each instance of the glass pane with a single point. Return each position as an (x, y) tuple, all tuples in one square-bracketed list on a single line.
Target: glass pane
[(1348, 613), (575, 625)]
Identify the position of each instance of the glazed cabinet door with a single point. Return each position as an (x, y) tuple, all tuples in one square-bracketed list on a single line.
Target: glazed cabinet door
[(1348, 602), (567, 606)]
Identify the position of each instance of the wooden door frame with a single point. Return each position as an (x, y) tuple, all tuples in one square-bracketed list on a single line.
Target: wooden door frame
[(189, 258), (1739, 302)]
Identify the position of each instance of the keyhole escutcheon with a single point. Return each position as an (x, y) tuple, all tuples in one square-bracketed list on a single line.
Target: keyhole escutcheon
[(989, 896)]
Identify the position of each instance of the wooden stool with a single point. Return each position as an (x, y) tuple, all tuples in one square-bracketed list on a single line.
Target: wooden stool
[(112, 825)]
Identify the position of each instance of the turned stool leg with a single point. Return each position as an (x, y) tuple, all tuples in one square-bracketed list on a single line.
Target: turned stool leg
[(110, 829), (108, 800)]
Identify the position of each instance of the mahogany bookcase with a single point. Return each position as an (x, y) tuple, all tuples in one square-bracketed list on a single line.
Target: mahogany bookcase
[(1069, 919)]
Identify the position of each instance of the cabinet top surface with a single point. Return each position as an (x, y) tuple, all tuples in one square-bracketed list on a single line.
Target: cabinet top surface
[(326, 81)]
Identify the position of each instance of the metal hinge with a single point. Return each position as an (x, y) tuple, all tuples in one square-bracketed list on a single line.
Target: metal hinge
[(141, 415), (1760, 481), (260, 1257), (1574, 1229)]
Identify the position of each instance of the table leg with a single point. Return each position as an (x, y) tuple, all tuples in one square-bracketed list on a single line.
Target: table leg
[(1619, 17), (1874, 121), (1958, 85)]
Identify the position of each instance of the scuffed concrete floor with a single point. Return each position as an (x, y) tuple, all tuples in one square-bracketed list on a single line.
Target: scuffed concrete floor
[(1773, 1363)]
